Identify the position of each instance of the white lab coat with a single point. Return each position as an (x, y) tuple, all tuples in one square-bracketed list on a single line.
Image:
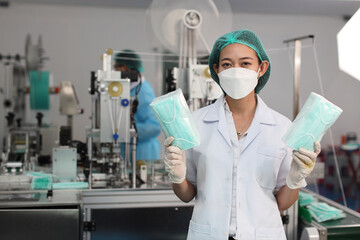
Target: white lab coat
[(262, 169)]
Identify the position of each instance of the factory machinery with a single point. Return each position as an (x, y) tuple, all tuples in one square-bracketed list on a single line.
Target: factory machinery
[(111, 140), (89, 187), (92, 189), (106, 159)]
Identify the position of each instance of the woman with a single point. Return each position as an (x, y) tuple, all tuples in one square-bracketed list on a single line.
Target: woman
[(242, 174)]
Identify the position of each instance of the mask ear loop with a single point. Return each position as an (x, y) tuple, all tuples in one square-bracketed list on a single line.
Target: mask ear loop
[(258, 71), (322, 121), (305, 135), (184, 140), (321, 117), (167, 122)]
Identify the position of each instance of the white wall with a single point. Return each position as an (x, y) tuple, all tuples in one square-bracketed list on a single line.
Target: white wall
[(74, 37), (339, 87)]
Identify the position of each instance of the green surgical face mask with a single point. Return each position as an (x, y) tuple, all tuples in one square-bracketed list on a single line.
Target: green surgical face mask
[(321, 212), (305, 199), (175, 119), (314, 119)]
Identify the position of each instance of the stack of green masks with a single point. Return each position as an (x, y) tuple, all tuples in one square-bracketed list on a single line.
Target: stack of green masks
[(175, 119), (70, 185), (322, 212), (41, 181), (305, 199), (314, 119)]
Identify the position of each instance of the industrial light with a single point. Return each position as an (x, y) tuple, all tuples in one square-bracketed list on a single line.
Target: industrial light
[(348, 41)]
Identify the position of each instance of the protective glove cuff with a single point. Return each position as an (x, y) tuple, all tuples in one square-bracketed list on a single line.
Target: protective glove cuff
[(295, 184), (176, 179)]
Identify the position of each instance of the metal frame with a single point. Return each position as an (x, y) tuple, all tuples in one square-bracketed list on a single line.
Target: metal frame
[(323, 231), (292, 226), (111, 199)]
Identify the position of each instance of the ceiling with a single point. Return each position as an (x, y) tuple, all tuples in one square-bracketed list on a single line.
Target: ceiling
[(343, 8)]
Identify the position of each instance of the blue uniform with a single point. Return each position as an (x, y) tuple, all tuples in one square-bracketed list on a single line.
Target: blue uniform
[(148, 128)]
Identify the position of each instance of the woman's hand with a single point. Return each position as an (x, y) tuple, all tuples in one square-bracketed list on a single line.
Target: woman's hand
[(301, 166), (175, 164)]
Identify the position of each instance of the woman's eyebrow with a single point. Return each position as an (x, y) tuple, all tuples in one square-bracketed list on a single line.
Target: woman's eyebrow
[(243, 58)]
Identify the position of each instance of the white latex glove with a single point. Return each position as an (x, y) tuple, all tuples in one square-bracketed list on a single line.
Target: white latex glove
[(174, 161), (301, 166)]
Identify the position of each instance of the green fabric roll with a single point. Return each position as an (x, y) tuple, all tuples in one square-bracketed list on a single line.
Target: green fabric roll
[(39, 90)]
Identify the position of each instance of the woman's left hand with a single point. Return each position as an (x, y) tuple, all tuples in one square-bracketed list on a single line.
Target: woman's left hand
[(302, 165)]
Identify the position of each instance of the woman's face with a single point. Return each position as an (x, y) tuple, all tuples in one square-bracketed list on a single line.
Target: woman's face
[(239, 55), (121, 68)]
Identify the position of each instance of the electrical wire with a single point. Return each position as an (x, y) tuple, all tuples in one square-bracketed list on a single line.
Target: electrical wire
[(330, 130), (111, 115), (204, 42)]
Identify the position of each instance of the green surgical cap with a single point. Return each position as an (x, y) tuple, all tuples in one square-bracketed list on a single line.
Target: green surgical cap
[(129, 58), (245, 37)]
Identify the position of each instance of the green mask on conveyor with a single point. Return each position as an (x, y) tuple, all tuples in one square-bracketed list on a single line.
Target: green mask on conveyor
[(322, 212)]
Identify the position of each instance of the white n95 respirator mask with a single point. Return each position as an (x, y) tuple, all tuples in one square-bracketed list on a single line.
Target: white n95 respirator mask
[(238, 82)]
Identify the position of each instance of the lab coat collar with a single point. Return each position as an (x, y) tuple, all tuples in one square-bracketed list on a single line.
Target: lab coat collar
[(263, 115), (263, 112), (216, 113)]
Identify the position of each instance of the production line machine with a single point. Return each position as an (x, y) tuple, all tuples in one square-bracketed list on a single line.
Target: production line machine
[(111, 140), (28, 139), (21, 138)]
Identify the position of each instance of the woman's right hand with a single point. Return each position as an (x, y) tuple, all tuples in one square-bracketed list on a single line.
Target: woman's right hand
[(175, 163)]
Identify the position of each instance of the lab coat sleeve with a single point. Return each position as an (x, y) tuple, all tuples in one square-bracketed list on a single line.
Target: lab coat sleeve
[(146, 123), (284, 170), (190, 167)]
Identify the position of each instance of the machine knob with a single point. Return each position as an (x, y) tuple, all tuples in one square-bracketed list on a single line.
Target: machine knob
[(39, 117), (103, 88), (7, 103), (125, 102), (10, 118), (18, 122)]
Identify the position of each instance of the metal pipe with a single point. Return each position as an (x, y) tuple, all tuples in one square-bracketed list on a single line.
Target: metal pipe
[(194, 47), (9, 82), (181, 45), (26, 155), (127, 158), (292, 231), (90, 160), (297, 69), (299, 38), (70, 121), (133, 158)]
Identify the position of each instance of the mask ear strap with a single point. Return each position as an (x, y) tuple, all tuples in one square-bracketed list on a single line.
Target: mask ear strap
[(258, 71), (167, 122)]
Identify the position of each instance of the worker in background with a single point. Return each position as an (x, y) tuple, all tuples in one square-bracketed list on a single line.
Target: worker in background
[(147, 126), (242, 174)]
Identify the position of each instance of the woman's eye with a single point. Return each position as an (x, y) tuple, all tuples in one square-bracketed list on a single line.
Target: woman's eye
[(245, 64), (226, 65)]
